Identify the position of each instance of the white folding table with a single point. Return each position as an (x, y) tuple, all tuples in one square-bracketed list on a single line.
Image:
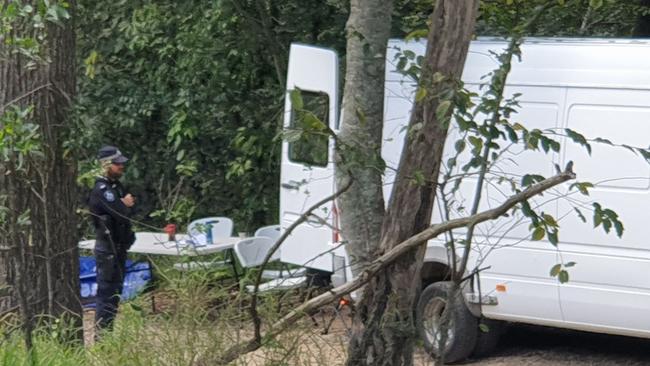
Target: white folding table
[(158, 244), (152, 243)]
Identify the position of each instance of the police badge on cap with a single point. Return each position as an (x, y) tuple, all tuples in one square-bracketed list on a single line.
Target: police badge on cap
[(112, 154)]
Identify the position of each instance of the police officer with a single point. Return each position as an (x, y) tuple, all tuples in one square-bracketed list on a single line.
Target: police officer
[(110, 206)]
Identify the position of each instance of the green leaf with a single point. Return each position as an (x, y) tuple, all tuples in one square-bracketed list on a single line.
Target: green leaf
[(603, 141), (421, 94), (578, 138), (553, 237), (296, 99), (539, 233), (518, 127), (451, 162), (583, 187), (443, 108), (476, 142), (292, 135), (550, 220), (607, 225), (595, 3), (530, 179), (555, 146), (416, 34), (483, 328), (419, 178), (460, 146), (618, 226), (438, 77), (580, 215), (313, 123), (512, 135), (569, 264), (563, 276), (409, 54), (555, 270), (645, 153)]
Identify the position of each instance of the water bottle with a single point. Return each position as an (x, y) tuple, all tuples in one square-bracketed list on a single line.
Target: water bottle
[(208, 232)]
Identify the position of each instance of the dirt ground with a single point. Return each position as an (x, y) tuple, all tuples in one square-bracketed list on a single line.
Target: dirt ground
[(529, 345), (524, 345), (521, 345)]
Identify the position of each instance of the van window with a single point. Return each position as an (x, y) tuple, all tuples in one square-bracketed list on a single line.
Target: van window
[(312, 147)]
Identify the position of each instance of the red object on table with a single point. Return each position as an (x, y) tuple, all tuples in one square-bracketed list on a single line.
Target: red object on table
[(170, 229)]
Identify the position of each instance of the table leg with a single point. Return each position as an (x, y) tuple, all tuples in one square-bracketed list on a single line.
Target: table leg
[(231, 253)]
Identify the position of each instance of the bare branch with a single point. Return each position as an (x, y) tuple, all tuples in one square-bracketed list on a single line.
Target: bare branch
[(383, 261), (18, 99), (257, 322)]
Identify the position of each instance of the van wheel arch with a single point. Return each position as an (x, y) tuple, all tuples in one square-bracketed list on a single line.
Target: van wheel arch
[(433, 272)]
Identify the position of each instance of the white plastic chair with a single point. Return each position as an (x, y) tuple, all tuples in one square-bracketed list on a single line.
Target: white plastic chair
[(221, 227), (251, 253), (271, 231)]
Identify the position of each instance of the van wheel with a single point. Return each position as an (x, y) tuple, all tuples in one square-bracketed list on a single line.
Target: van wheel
[(487, 339), (462, 326)]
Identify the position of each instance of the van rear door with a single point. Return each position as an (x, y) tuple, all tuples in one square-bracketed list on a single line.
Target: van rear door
[(307, 158)]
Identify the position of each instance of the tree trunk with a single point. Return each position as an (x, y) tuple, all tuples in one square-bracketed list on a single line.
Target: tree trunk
[(642, 28), (362, 206), (40, 261), (387, 333)]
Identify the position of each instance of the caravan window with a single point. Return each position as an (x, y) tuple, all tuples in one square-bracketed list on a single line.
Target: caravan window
[(312, 146)]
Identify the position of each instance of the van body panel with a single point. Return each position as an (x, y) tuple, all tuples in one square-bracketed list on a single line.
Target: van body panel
[(312, 70), (600, 88)]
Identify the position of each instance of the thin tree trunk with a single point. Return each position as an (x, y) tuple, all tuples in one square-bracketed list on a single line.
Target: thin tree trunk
[(384, 332), (362, 207), (50, 264), (642, 28)]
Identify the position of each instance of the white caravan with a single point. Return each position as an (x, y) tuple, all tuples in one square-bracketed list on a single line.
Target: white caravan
[(600, 88)]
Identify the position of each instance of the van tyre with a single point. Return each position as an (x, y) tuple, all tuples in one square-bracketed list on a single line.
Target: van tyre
[(487, 339), (462, 328)]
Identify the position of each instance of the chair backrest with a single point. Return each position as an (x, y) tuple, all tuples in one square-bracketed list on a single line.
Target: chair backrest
[(271, 231), (339, 266), (221, 228), (252, 251), (342, 271)]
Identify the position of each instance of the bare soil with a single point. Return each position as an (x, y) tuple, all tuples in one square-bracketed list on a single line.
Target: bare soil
[(521, 345), (529, 345)]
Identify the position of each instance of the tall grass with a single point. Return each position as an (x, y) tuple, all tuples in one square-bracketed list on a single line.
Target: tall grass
[(196, 317)]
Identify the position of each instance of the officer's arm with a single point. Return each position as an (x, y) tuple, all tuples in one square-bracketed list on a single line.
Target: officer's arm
[(111, 205)]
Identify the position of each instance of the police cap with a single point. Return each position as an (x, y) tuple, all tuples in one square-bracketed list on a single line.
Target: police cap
[(112, 154)]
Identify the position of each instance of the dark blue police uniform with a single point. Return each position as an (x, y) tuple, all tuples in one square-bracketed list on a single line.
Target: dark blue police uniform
[(114, 236)]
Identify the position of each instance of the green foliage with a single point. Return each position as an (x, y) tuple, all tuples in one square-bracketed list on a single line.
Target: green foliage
[(19, 137), (193, 90), (32, 21), (196, 317), (309, 132), (486, 135), (559, 271), (602, 18)]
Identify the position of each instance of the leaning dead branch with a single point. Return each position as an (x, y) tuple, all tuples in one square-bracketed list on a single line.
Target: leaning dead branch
[(382, 262)]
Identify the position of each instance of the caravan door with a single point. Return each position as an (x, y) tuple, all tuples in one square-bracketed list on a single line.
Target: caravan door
[(308, 159)]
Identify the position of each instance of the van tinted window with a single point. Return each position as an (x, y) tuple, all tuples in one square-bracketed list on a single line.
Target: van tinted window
[(312, 146)]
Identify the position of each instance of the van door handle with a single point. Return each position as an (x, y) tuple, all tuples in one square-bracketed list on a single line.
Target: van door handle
[(292, 184)]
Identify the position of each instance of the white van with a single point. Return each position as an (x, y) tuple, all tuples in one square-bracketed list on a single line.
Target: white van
[(599, 87)]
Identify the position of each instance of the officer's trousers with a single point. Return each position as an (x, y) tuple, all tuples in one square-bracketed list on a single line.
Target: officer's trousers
[(110, 281)]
